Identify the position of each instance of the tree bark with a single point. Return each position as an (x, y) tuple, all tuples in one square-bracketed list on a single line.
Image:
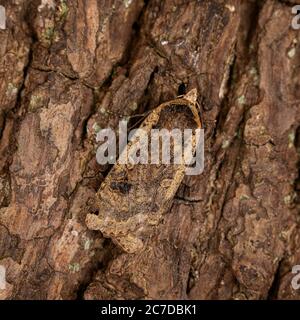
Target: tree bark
[(72, 67)]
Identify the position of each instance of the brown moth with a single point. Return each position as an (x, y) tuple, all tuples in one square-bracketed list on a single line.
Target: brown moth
[(133, 198)]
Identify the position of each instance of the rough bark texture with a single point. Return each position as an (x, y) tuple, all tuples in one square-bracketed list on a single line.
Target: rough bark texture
[(70, 67)]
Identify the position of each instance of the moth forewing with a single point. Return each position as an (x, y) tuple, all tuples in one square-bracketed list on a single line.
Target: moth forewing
[(134, 197)]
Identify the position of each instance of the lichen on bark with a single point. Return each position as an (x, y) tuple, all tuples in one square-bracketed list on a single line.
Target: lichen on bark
[(69, 68)]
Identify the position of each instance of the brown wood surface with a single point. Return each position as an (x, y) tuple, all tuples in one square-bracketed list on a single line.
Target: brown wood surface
[(70, 67)]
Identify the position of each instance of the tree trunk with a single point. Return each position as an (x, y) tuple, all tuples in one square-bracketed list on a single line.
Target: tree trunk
[(72, 67)]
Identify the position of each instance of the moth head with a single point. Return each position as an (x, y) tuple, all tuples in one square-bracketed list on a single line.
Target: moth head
[(191, 96)]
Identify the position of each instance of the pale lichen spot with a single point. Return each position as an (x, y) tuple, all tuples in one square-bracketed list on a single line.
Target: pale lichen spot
[(278, 13), (230, 7), (262, 130), (241, 100), (92, 253), (254, 74), (63, 9), (74, 233), (49, 34), (103, 110), (244, 197), (127, 3), (253, 71), (291, 53), (11, 90), (133, 106), (87, 244), (291, 139), (74, 267), (225, 144), (96, 127), (287, 199), (35, 102), (50, 4)]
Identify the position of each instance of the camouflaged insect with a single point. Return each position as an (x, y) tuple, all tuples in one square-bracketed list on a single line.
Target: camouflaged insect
[(133, 198)]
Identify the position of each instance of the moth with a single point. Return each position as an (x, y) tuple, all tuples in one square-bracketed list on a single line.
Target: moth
[(134, 197)]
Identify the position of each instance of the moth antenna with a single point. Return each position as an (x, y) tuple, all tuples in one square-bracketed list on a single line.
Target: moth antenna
[(142, 115)]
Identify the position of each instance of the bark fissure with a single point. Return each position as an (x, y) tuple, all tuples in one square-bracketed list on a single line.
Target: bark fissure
[(70, 69)]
